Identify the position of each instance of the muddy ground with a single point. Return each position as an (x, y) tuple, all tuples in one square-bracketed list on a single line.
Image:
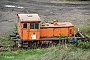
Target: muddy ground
[(78, 13)]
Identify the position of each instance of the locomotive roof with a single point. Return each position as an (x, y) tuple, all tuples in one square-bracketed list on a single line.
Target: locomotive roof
[(58, 24), (28, 17)]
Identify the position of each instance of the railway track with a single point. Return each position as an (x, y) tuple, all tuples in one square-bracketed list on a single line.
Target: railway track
[(4, 48)]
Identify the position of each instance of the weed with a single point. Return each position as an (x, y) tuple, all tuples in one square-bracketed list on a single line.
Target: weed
[(83, 45), (72, 0), (5, 40), (57, 20), (15, 27)]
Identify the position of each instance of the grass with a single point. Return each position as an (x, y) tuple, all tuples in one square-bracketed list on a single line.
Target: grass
[(5, 40), (72, 0), (52, 53), (59, 52), (21, 54), (84, 29)]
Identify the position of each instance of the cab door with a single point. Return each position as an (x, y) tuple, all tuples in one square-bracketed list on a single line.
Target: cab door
[(25, 31), (71, 31)]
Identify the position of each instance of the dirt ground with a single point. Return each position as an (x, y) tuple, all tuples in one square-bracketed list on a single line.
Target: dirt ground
[(78, 13)]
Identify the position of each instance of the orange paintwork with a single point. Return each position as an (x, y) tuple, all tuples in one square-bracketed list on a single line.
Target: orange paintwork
[(20, 30), (64, 31), (71, 31), (57, 30), (27, 33), (49, 32), (37, 32), (44, 30)]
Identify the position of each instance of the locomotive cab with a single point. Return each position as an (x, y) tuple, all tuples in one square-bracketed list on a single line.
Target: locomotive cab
[(29, 26)]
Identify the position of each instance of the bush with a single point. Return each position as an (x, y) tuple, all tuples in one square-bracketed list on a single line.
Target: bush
[(84, 45), (74, 0)]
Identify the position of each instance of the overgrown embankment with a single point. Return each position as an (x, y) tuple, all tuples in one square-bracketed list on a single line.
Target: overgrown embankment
[(53, 53), (73, 0), (59, 52)]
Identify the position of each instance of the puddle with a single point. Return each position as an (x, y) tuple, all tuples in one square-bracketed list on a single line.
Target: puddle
[(20, 7), (13, 6), (86, 13)]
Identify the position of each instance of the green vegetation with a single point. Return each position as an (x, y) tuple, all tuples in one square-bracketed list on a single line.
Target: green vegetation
[(57, 20), (21, 54), (53, 53), (61, 36), (5, 40), (83, 45), (72, 0), (59, 52), (86, 29), (47, 21), (16, 27)]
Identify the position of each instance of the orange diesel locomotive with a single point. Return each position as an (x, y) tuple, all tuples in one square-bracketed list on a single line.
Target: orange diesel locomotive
[(31, 32)]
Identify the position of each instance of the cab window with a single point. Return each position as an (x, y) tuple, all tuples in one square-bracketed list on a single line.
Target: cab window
[(25, 25), (33, 25), (36, 25)]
